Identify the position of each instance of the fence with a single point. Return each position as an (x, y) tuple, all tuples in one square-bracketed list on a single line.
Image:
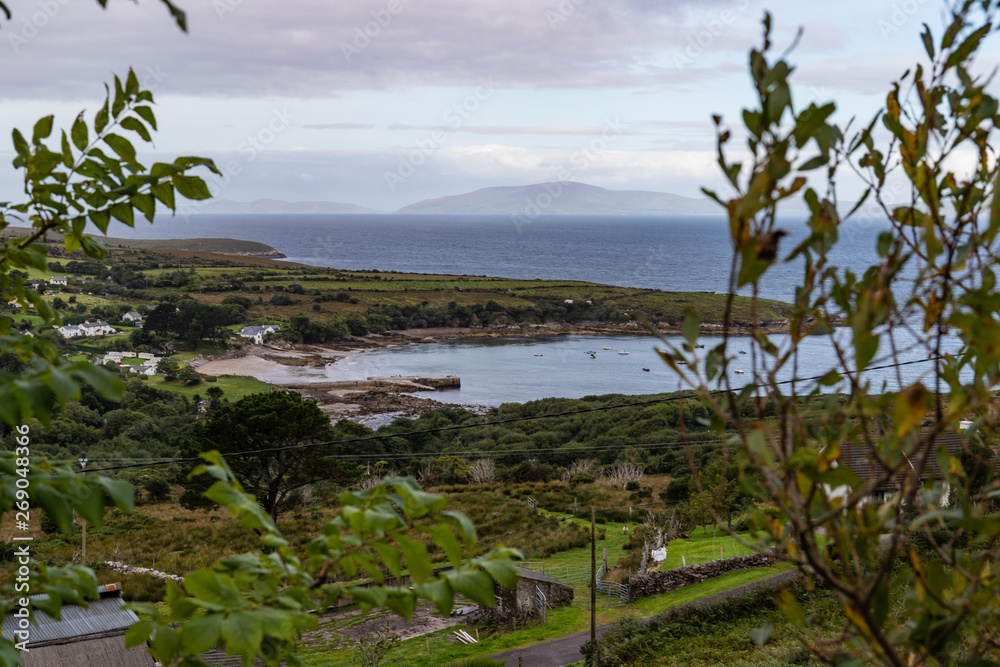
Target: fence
[(609, 593), (541, 603)]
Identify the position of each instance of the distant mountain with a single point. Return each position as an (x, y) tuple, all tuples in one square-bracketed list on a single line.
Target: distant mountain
[(563, 198), (276, 206)]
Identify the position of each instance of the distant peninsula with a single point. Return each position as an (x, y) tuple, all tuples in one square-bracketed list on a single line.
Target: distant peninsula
[(216, 246), (562, 198), (555, 198)]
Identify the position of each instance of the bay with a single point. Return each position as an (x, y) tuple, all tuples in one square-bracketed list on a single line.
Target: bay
[(684, 253)]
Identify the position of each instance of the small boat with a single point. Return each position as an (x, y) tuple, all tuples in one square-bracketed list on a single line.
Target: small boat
[(607, 347), (646, 369), (536, 355), (738, 370), (743, 351), (700, 345), (622, 352), (590, 352), (593, 356)]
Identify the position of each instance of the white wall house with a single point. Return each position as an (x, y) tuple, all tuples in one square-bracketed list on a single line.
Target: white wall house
[(132, 316), (90, 329), (59, 280), (257, 333)]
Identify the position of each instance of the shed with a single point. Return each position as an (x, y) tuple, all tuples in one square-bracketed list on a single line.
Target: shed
[(91, 636), (519, 602)]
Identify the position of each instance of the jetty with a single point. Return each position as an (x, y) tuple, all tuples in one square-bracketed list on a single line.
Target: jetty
[(394, 383)]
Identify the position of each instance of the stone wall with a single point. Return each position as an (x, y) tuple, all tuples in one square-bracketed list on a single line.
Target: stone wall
[(653, 583)]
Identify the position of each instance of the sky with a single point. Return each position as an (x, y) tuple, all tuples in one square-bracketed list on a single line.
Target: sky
[(383, 103)]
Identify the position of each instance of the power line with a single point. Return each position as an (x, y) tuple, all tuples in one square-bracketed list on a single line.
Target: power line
[(457, 427)]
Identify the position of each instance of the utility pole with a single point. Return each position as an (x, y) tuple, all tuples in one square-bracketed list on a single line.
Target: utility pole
[(593, 583), (83, 548)]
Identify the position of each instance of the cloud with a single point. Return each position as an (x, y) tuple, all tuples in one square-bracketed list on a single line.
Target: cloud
[(572, 130), (316, 48), (340, 126)]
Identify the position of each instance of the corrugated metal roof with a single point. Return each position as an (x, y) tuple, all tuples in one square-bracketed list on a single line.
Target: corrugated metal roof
[(857, 457), (104, 615)]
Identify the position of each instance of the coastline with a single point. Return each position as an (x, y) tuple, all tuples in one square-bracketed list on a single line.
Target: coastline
[(288, 365)]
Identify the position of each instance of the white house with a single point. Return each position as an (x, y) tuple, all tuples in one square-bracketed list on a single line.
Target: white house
[(132, 316), (257, 333), (59, 280), (90, 329)]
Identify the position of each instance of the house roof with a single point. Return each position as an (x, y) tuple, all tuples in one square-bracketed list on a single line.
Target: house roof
[(525, 573), (132, 313), (100, 651), (94, 325), (857, 457), (98, 617)]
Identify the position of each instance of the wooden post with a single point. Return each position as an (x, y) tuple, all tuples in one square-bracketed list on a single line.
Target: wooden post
[(605, 559), (593, 577), (428, 643), (84, 521)]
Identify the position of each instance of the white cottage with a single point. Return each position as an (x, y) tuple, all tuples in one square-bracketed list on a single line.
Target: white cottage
[(257, 333)]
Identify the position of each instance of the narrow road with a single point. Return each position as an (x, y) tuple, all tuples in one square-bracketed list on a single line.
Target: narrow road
[(566, 650)]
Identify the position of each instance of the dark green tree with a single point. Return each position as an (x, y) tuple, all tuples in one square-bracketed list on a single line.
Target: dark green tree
[(262, 425)]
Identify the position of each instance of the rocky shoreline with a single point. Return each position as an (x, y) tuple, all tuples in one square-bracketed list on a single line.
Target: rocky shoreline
[(373, 405)]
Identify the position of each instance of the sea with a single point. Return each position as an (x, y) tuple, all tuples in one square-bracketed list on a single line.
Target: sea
[(683, 253)]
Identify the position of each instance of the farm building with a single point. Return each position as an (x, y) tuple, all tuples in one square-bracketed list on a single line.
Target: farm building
[(92, 636), (520, 602)]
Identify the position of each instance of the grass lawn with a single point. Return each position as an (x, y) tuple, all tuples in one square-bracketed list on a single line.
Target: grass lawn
[(234, 387), (33, 320)]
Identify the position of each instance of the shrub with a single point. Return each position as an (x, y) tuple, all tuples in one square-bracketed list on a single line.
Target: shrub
[(632, 485)]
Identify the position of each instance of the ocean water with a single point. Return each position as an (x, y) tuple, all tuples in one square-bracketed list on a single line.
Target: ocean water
[(495, 371), (671, 253), (684, 253)]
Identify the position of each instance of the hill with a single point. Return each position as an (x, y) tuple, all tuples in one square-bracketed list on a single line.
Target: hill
[(563, 198)]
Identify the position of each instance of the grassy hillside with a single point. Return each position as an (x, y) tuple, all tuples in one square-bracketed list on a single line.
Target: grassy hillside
[(370, 301)]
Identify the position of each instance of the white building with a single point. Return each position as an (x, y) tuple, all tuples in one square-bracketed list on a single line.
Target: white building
[(257, 333), (132, 317), (89, 329)]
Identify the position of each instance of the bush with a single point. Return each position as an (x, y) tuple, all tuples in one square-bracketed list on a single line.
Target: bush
[(676, 492), (157, 488), (282, 300), (6, 552), (632, 485)]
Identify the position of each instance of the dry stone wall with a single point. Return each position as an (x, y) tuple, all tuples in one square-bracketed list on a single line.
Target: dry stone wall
[(653, 583)]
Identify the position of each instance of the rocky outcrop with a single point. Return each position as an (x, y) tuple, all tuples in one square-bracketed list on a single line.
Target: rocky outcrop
[(653, 583)]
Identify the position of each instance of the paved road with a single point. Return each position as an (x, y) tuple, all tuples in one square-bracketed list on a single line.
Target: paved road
[(566, 650)]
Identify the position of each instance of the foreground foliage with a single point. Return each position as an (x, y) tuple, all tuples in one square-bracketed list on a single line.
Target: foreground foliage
[(932, 294)]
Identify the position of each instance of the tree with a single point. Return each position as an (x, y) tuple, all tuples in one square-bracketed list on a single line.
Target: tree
[(214, 396), (254, 604), (168, 368), (911, 589), (265, 426)]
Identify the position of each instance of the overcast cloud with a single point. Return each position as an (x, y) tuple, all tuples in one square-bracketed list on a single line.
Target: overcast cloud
[(455, 94)]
